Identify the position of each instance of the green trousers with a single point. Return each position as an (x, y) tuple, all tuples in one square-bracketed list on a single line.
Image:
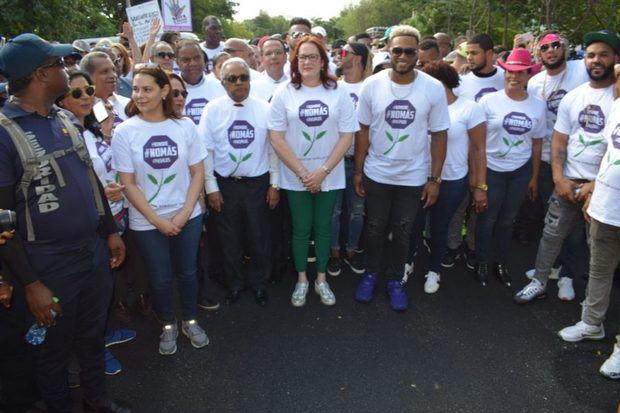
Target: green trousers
[(311, 214)]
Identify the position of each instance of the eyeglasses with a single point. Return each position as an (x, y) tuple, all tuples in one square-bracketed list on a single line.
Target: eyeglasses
[(164, 55), (76, 92), (345, 52), (309, 57), (55, 63), (554, 46), (273, 53), (408, 51), (234, 78), (297, 35), (178, 92)]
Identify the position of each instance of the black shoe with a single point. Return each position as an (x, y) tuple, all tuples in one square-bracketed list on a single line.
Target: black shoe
[(502, 274), (450, 258), (232, 297), (143, 304), (261, 297), (482, 273), (122, 312), (356, 263), (208, 304), (470, 258), (107, 406), (334, 267)]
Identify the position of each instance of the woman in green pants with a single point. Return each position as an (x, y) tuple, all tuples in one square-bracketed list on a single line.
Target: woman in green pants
[(311, 125)]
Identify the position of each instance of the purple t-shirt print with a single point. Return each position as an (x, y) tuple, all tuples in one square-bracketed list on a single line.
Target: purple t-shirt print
[(554, 99), (241, 134), (484, 91), (103, 149), (615, 136), (160, 152), (592, 119), (515, 124), (194, 108), (399, 115), (313, 113)]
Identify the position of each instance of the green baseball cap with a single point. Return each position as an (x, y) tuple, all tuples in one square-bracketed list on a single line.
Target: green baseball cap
[(605, 36)]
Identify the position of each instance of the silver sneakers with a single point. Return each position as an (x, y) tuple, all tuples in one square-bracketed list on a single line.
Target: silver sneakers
[(326, 294), (195, 333), (432, 282), (582, 331), (529, 292), (168, 340), (298, 299)]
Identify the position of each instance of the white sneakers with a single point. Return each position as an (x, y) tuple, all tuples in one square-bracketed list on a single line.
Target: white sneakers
[(566, 292), (432, 282), (611, 366), (408, 271), (582, 331), (555, 273), (298, 299)]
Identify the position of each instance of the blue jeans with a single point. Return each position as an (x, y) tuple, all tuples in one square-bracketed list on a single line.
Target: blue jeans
[(355, 209), (451, 194), (166, 256), (505, 196)]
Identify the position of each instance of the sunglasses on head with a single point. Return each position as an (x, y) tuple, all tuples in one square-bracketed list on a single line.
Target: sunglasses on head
[(76, 92), (408, 51), (164, 55), (345, 52), (56, 63), (554, 45), (234, 78), (178, 92)]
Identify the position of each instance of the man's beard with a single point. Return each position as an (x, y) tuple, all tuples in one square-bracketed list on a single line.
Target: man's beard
[(409, 69), (609, 71), (555, 65), (477, 69)]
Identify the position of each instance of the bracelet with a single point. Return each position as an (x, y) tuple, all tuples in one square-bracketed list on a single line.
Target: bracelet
[(325, 169)]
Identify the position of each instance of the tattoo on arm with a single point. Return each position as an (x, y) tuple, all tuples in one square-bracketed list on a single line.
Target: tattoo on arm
[(559, 156)]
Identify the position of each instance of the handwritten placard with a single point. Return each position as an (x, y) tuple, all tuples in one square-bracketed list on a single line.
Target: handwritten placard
[(140, 18)]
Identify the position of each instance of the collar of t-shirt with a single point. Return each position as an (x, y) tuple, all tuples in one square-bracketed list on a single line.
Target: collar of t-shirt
[(14, 111), (203, 79), (283, 78), (483, 75)]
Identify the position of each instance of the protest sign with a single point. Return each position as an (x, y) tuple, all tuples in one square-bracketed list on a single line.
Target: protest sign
[(140, 18), (177, 15)]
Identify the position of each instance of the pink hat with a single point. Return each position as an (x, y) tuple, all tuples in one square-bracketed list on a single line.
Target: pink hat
[(550, 38), (518, 60)]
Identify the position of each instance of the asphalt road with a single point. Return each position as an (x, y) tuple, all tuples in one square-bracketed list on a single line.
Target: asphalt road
[(464, 349)]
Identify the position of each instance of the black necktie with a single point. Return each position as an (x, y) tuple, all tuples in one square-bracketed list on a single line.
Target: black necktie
[(238, 105)]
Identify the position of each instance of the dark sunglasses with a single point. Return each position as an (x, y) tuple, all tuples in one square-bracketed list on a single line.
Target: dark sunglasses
[(76, 92), (177, 92), (163, 55), (408, 51), (297, 35), (56, 63), (234, 78), (345, 53), (554, 45)]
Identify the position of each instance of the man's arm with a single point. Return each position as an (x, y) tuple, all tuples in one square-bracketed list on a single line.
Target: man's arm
[(361, 145), (563, 185), (439, 147)]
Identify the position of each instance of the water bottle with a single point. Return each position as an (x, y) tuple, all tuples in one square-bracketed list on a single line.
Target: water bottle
[(36, 332)]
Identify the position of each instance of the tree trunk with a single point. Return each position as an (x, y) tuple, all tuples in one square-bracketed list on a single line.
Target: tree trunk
[(505, 35)]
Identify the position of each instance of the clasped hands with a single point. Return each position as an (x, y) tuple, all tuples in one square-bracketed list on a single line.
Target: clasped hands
[(312, 180)]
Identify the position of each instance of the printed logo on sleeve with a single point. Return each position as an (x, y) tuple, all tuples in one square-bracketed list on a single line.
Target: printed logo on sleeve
[(484, 91), (194, 108), (553, 101), (160, 152), (592, 119)]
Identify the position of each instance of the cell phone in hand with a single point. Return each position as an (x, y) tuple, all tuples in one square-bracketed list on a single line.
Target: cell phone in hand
[(527, 37), (100, 111)]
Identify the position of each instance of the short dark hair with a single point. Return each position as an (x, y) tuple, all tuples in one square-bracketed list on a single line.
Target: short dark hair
[(190, 42), (362, 35), (275, 39), (299, 20), (443, 72), (208, 19), (168, 36), (429, 44), (483, 40)]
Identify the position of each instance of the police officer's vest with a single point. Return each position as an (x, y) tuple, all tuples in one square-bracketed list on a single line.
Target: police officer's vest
[(31, 162)]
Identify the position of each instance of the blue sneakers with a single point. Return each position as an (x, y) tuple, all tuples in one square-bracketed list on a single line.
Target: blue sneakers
[(112, 365), (398, 298), (366, 288), (119, 336)]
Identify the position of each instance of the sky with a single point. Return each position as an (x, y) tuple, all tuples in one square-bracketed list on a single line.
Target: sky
[(325, 9)]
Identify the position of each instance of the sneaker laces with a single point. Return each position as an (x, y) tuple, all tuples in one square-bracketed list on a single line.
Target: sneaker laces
[(168, 332), (300, 290), (324, 290), (532, 288)]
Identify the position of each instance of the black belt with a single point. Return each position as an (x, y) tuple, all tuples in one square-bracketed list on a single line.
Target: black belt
[(241, 178)]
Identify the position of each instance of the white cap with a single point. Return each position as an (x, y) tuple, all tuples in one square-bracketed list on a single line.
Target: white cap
[(380, 58), (319, 31)]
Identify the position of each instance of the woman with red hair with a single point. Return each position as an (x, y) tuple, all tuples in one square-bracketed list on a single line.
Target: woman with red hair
[(311, 125)]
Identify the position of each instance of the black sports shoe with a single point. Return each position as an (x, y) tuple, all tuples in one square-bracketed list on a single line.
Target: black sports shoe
[(356, 263), (502, 274), (450, 258), (208, 304), (470, 258), (334, 266), (482, 273)]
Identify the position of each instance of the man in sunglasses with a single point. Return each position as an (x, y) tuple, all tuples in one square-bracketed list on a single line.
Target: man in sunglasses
[(241, 178), (397, 109), (240, 48), (58, 249), (298, 27)]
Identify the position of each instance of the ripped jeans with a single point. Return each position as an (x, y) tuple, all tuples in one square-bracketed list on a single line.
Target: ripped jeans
[(389, 209)]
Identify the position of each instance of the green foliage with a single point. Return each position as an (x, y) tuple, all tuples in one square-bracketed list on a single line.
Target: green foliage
[(264, 24), (222, 9)]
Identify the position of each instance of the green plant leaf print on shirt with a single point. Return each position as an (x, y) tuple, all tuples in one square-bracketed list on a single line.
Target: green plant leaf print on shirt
[(313, 139), (238, 160), (510, 145), (160, 183), (394, 141), (586, 143)]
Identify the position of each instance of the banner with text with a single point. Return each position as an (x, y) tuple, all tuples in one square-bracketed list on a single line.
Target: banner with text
[(177, 15)]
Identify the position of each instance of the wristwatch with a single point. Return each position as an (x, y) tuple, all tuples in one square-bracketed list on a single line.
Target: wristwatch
[(275, 186), (436, 179), (482, 187), (325, 169)]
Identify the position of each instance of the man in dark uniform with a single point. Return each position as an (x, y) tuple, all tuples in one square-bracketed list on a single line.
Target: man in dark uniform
[(65, 234)]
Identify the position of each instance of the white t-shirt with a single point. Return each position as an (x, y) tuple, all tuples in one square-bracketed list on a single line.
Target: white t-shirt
[(474, 87), (555, 87), (465, 114), (101, 154), (118, 105), (511, 126), (400, 117), (211, 52), (264, 86), (312, 118), (237, 135), (159, 154), (199, 95), (582, 116), (353, 89), (606, 196)]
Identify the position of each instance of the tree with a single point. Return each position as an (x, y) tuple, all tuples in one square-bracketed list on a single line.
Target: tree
[(264, 24)]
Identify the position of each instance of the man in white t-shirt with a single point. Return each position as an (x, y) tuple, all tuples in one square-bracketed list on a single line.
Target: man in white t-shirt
[(242, 180), (199, 90), (577, 148), (212, 45), (397, 109), (273, 59), (239, 48), (484, 77)]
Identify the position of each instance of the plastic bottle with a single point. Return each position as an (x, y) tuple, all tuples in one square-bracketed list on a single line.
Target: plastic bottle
[(36, 332)]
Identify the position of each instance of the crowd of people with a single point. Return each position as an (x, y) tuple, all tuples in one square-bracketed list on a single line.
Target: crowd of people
[(137, 171)]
